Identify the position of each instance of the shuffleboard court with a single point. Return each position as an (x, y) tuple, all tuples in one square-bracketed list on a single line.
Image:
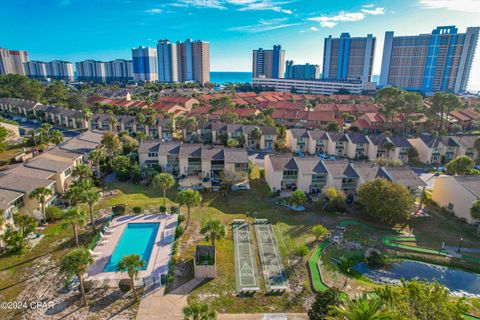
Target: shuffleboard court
[(245, 262), (273, 272)]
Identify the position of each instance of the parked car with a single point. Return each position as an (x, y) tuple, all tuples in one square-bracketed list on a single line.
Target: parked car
[(241, 186)]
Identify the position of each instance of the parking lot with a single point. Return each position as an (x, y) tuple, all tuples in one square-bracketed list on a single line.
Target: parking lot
[(28, 124)]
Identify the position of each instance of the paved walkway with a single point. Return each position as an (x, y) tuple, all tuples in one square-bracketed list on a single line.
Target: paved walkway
[(263, 316), (156, 305)]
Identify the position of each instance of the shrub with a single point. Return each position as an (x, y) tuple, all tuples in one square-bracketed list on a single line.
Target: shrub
[(137, 210), (179, 231), (119, 209), (124, 285), (301, 251), (181, 218), (53, 213), (163, 209)]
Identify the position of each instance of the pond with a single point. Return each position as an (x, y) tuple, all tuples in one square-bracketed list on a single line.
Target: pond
[(459, 282)]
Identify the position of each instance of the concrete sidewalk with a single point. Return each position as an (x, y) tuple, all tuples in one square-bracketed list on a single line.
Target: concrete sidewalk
[(157, 305)]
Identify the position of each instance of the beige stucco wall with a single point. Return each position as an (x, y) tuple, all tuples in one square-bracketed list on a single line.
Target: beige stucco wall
[(447, 190), (290, 141), (424, 153), (273, 178)]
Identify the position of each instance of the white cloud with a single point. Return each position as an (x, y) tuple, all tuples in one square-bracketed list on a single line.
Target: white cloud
[(261, 5), (216, 4), (374, 12), (454, 5), (344, 16), (265, 25), (371, 5), (154, 11), (314, 29)]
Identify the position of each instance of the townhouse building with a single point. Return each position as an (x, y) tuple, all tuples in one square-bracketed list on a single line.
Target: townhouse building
[(312, 175), (457, 194), (348, 145), (18, 106), (435, 149), (250, 136), (52, 169), (192, 159), (466, 147)]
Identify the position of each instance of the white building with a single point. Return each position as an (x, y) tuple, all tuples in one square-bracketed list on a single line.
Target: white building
[(310, 86)]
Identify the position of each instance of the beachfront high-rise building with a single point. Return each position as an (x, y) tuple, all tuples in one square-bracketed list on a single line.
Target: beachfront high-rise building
[(12, 61), (119, 70), (348, 58), (301, 71), (91, 70), (193, 61), (269, 63), (145, 64), (183, 61), (167, 61), (60, 70), (36, 69), (440, 61), (201, 61)]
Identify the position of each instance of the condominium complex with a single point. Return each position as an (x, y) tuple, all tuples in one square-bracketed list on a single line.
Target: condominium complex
[(145, 64), (11, 61), (310, 86), (98, 71), (269, 63), (440, 61), (183, 61), (348, 58), (301, 71), (37, 69), (60, 70)]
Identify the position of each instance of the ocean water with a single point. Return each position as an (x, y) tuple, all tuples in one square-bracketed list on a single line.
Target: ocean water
[(222, 77)]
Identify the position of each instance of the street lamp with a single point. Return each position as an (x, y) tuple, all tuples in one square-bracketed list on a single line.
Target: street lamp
[(460, 245)]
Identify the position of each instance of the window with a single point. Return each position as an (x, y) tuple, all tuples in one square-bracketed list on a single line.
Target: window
[(450, 206), (68, 172), (153, 154)]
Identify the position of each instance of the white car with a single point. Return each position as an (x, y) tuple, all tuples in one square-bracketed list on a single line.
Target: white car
[(24, 120), (241, 186)]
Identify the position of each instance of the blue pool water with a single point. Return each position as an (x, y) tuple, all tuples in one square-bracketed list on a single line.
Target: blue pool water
[(137, 238)]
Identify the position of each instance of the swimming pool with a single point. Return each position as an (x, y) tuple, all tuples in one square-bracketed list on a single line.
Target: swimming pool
[(137, 238)]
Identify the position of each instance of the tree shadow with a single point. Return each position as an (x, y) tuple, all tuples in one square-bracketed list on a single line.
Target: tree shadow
[(106, 300), (64, 305)]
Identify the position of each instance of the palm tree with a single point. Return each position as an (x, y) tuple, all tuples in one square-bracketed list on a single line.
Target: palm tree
[(56, 136), (74, 217), (41, 194), (190, 198), (388, 146), (82, 172), (163, 181), (90, 196), (76, 262), (113, 121), (44, 130), (197, 310), (131, 264), (96, 156), (33, 135), (361, 309), (214, 230), (87, 115), (74, 193), (475, 212)]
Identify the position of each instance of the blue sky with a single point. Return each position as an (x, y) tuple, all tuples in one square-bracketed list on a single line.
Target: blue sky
[(107, 29)]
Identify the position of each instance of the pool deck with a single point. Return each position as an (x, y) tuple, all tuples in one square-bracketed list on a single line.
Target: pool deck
[(159, 257)]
